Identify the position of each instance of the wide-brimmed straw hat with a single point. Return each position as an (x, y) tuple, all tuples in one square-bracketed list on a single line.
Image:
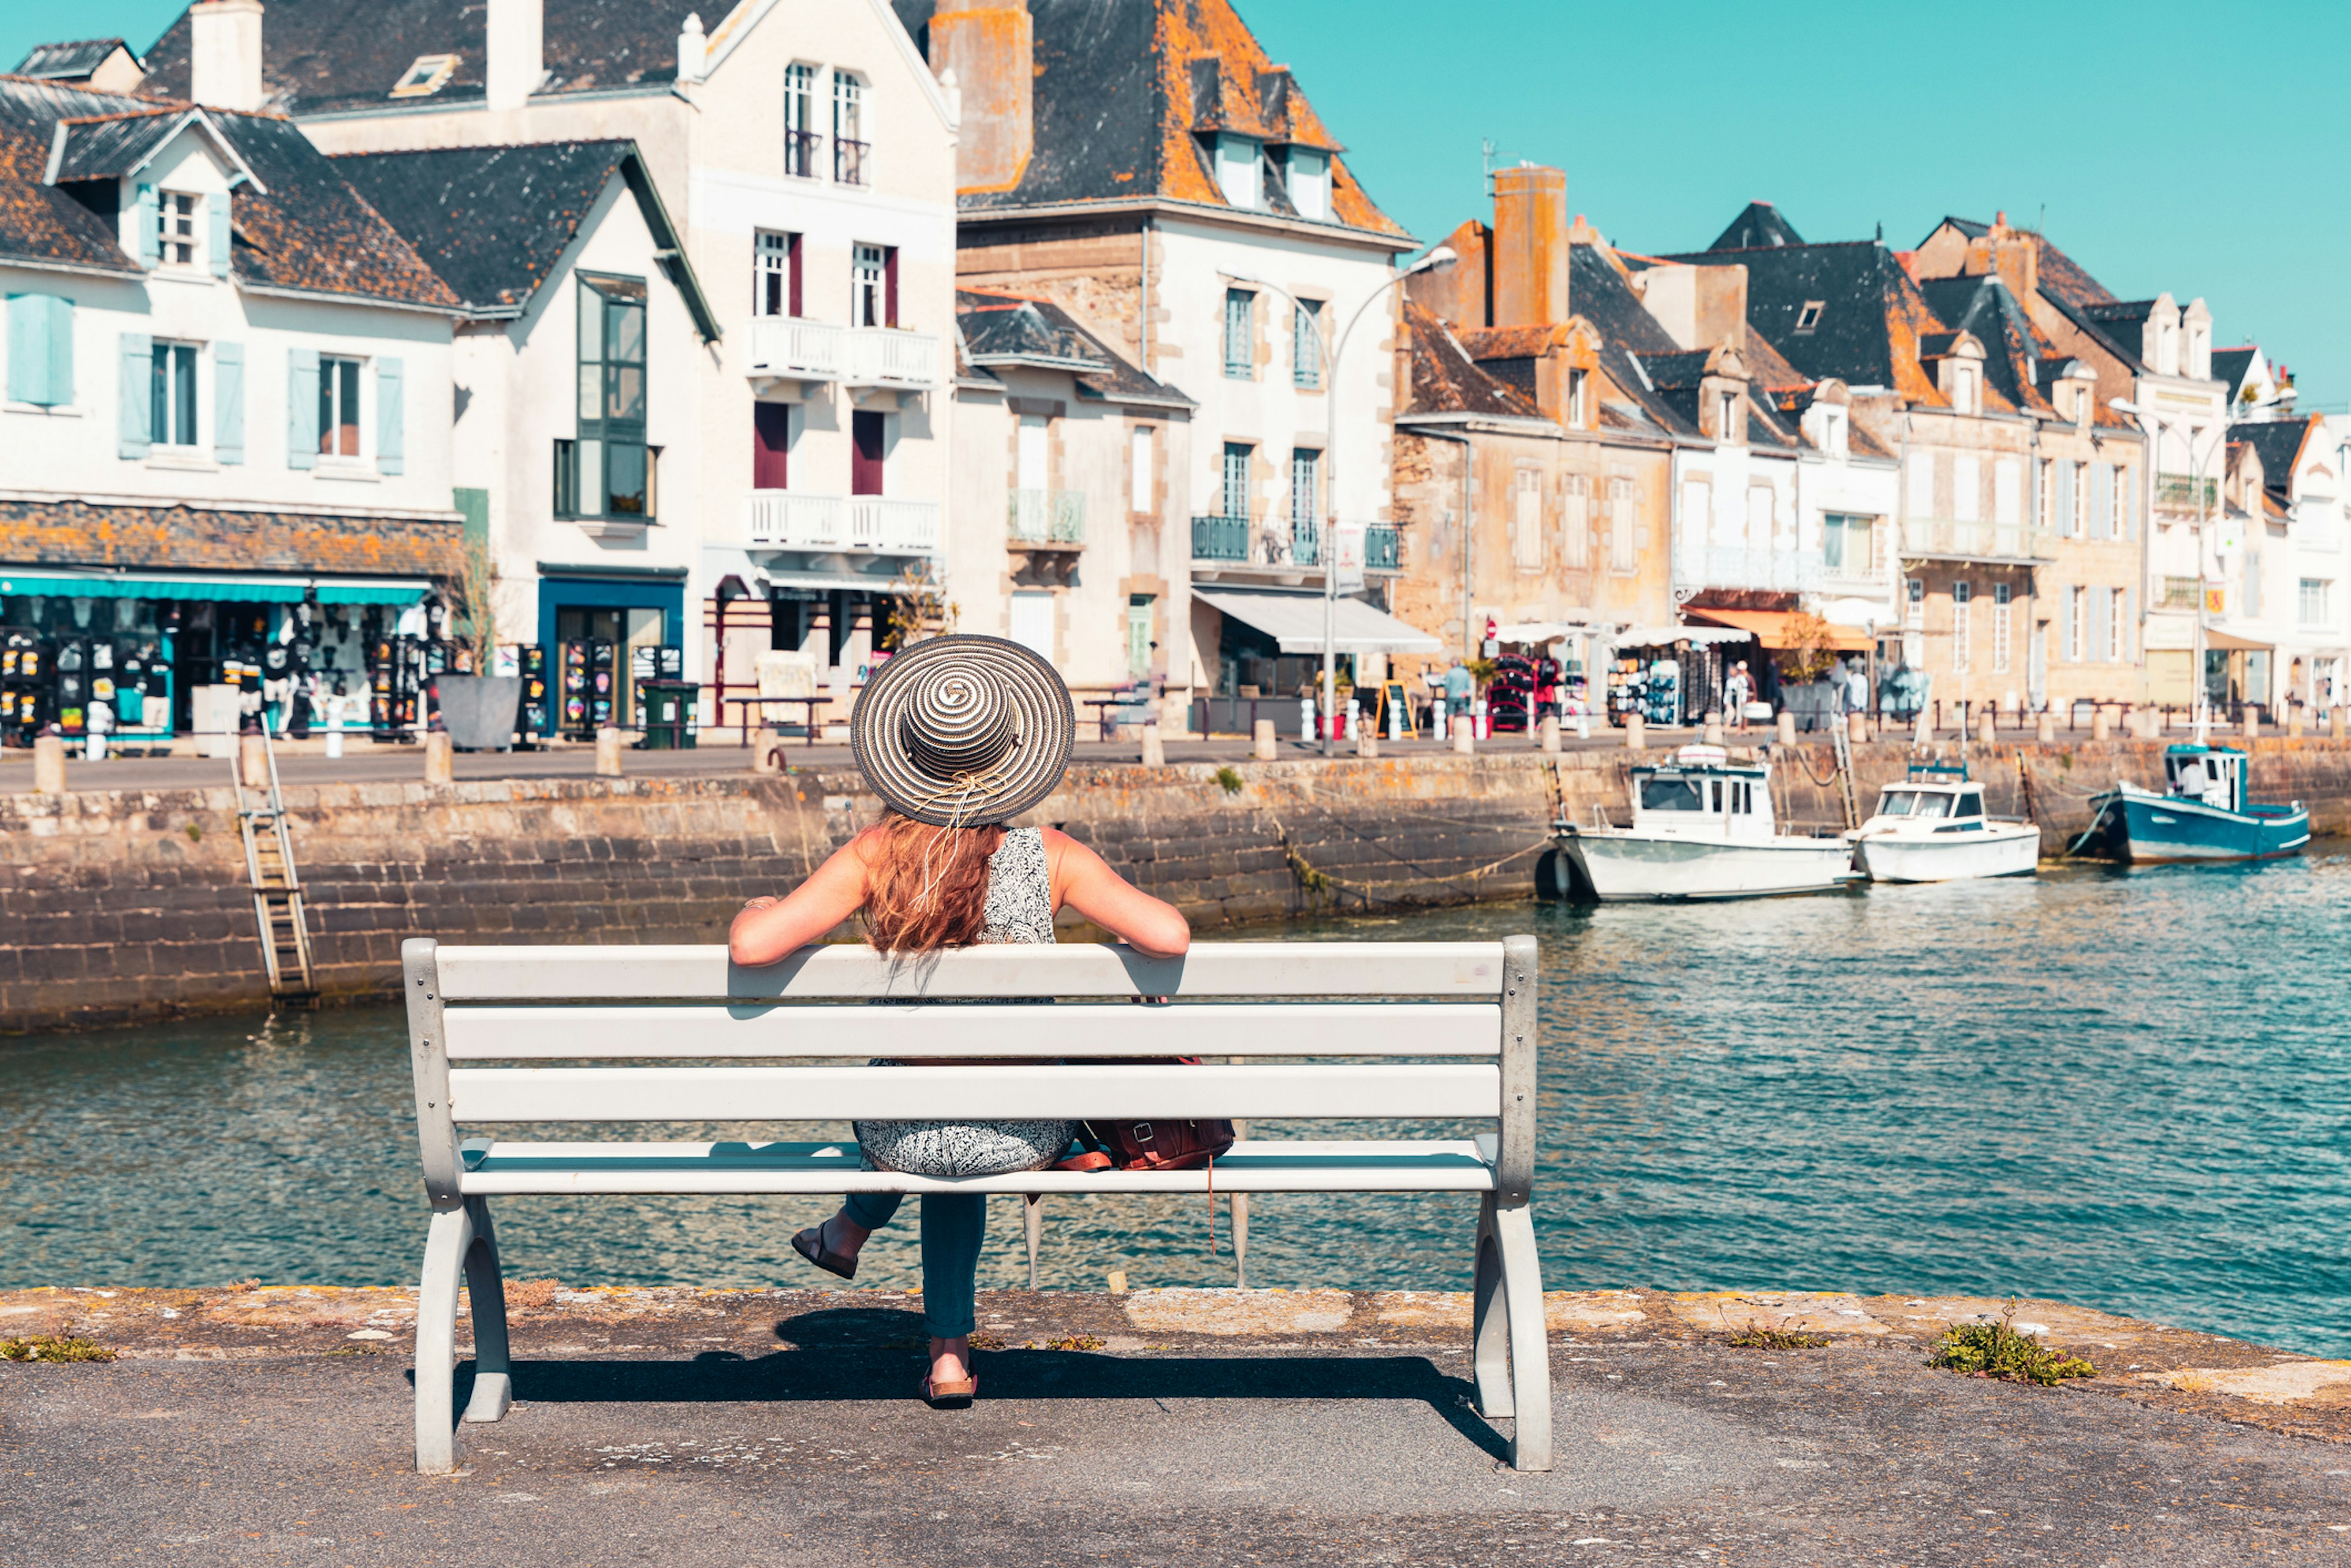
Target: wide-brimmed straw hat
[(964, 731)]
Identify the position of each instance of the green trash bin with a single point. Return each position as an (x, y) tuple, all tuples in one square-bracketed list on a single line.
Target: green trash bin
[(667, 713)]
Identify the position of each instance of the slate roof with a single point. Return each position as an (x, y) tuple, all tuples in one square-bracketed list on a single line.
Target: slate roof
[(322, 55), (1871, 319), (69, 62), (111, 146), (2230, 365), (998, 329), (1122, 89), (296, 224), (1445, 380), (2013, 351), (1757, 227), (2278, 443)]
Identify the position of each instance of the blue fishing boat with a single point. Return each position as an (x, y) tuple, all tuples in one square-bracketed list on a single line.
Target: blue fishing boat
[(2202, 814)]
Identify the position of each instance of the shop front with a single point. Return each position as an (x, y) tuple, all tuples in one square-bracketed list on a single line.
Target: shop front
[(141, 656), (1266, 654), (601, 637)]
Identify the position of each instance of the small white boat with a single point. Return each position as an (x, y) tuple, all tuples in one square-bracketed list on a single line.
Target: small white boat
[(1931, 827), (1702, 827)]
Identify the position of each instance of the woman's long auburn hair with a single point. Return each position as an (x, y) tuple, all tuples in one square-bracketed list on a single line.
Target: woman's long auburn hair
[(926, 887)]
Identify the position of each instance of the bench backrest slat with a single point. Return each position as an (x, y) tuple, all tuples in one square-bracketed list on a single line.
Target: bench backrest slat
[(1457, 970), (511, 1033), (1453, 1091)]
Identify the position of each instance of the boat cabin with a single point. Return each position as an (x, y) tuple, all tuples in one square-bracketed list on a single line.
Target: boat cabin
[(1933, 792), (1703, 794), (2214, 775)]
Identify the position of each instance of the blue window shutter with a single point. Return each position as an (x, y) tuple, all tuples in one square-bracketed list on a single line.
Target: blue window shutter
[(390, 427), (150, 246), (61, 349), (228, 403), (218, 209), (28, 348), (302, 408), (133, 435)]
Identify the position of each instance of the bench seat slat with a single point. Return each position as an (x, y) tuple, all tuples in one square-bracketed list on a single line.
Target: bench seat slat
[(1252, 1165), (702, 973), (1453, 1091), (884, 1029)]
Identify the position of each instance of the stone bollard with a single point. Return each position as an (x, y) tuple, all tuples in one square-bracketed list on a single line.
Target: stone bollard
[(50, 765), (1265, 740), (1787, 727), (766, 752), (1987, 729), (1635, 733), (608, 753), (1551, 733), (2253, 721), (1857, 727), (1465, 735), (1154, 751), (2098, 728), (252, 761), (2293, 721), (440, 760), (2044, 727), (1367, 742), (1712, 734)]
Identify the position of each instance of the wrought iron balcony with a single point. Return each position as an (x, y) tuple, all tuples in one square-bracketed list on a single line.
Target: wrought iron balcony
[(1304, 542), (1220, 539), (1383, 548), (1046, 517), (2180, 492), (2180, 593), (800, 153), (1942, 539), (849, 161), (789, 346), (887, 357)]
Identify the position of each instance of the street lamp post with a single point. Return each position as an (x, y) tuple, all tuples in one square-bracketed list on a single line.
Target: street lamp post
[(1443, 255), (2155, 424)]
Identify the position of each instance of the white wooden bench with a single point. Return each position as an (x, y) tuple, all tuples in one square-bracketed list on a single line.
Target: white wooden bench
[(1460, 1015)]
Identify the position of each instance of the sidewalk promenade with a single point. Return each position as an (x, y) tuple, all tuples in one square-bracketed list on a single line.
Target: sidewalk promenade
[(1165, 1427)]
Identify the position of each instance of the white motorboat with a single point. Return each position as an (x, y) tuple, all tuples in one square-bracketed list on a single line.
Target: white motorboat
[(1702, 827), (1931, 827)]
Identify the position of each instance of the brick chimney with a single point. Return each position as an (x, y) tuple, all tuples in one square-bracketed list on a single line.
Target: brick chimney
[(1529, 258), (225, 54), (2014, 254), (515, 40), (989, 46)]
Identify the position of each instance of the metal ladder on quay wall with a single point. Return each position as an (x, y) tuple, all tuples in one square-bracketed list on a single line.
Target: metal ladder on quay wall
[(1841, 740), (277, 886)]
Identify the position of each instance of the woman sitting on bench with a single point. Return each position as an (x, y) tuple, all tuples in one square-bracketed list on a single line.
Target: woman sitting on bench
[(958, 736)]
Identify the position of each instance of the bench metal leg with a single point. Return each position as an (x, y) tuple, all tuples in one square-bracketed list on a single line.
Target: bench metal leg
[(1490, 1329), (1514, 1228), (446, 1245), (1032, 1226), (1240, 1240), (493, 1372)]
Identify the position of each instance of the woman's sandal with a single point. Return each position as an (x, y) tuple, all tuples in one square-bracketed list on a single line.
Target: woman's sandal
[(810, 1244), (956, 1395)]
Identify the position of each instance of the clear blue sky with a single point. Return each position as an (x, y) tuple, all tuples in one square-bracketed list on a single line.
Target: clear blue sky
[(2191, 147)]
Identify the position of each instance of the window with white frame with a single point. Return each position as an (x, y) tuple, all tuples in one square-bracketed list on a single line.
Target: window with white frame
[(2117, 625), (851, 145), (776, 274), (869, 285), (1307, 177), (1963, 388), (1141, 477), (1623, 554), (2078, 622), (2311, 603), (1240, 170), (2078, 523), (1808, 317), (338, 406), (171, 395), (1306, 344), (177, 214), (1305, 491), (1575, 528), (1579, 400), (1967, 487), (1962, 594), (1526, 519), (1848, 544), (800, 134), (1914, 601), (2045, 514), (1240, 345), (2001, 611), (1726, 417)]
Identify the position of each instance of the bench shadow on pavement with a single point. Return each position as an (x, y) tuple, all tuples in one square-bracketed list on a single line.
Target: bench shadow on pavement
[(876, 1354)]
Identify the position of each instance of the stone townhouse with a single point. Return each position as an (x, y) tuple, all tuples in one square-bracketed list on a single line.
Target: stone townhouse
[(1064, 456), (2274, 627), (225, 429), (2156, 357), (2017, 516), (1149, 169), (807, 155)]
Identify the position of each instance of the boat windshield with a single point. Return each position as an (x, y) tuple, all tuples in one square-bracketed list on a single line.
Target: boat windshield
[(1914, 803), (1672, 795)]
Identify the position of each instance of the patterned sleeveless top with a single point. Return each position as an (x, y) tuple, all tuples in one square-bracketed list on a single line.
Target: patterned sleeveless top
[(1019, 890)]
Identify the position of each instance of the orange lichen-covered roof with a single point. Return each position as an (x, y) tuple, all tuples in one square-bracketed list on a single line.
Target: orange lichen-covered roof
[(1446, 377), (1514, 342)]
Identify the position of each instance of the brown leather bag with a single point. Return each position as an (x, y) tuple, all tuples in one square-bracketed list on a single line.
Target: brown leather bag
[(1162, 1145)]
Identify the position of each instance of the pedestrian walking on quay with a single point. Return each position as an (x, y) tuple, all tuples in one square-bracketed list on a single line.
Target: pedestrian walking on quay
[(1735, 693), (959, 735)]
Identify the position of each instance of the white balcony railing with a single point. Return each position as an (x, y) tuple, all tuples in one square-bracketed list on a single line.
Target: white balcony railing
[(1780, 572), (1940, 537), (905, 527), (784, 519), (886, 357), (789, 346)]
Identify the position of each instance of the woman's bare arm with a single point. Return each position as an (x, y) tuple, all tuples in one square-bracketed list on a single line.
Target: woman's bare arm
[(1083, 882), (772, 928)]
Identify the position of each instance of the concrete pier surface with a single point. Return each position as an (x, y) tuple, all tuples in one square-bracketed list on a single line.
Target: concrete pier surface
[(1189, 1427)]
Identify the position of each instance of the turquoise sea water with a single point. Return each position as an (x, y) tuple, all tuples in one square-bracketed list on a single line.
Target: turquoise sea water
[(2128, 1090)]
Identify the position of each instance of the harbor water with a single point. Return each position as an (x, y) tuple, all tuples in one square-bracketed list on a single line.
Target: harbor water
[(2128, 1090)]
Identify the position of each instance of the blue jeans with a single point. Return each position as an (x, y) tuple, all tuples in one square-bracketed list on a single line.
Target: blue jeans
[(953, 1226)]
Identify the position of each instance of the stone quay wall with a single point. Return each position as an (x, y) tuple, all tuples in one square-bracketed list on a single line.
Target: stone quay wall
[(122, 906)]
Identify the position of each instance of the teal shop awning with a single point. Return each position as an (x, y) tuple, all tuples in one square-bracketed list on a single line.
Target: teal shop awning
[(230, 589)]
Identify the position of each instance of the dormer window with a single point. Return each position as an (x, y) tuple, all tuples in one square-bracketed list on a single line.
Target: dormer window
[(2086, 403), (1725, 413), (1963, 389), (1810, 316), (1239, 168), (1579, 400), (1833, 431), (1308, 172), (428, 76), (175, 220)]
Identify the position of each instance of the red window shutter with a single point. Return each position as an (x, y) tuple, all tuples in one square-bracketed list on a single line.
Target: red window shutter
[(793, 271), (865, 457), (771, 437), (890, 287)]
